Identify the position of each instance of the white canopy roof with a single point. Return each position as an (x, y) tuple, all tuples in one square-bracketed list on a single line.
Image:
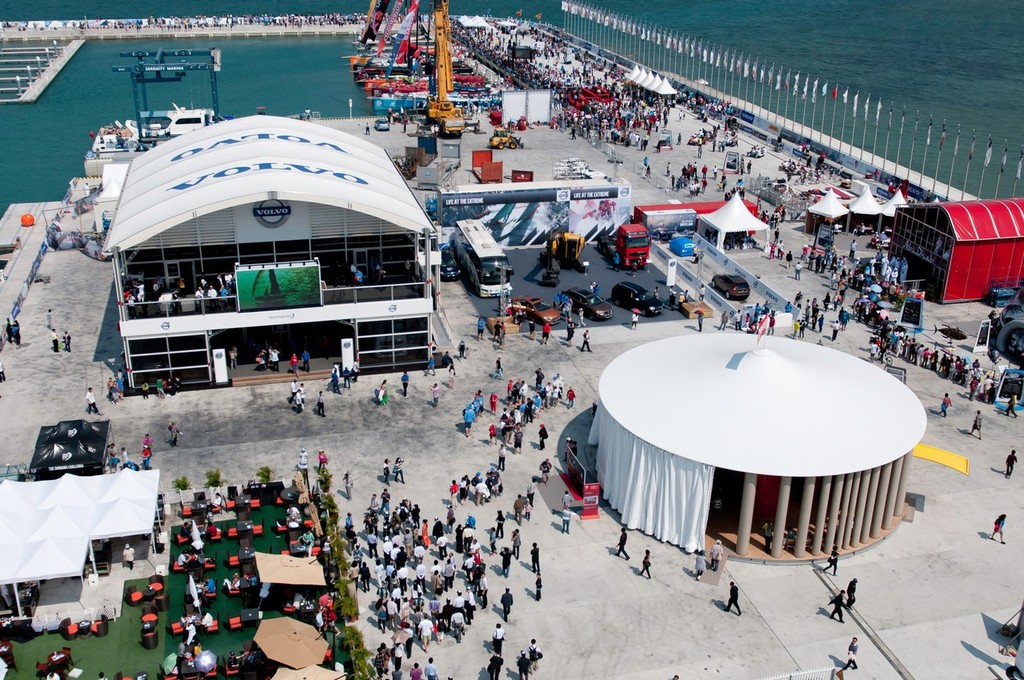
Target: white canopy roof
[(865, 204), (254, 159), (634, 74), (761, 410), (828, 206), (646, 79), (47, 525), (734, 217), (472, 22), (664, 87), (897, 201)]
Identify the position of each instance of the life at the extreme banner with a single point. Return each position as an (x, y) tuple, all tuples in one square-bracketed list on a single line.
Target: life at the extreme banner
[(522, 214)]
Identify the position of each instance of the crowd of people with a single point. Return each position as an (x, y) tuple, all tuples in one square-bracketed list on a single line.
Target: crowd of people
[(290, 20)]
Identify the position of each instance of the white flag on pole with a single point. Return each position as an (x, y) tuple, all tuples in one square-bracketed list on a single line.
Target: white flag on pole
[(845, 93), (988, 152)]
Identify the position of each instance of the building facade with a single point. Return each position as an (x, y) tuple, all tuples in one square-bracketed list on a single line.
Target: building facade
[(269, 235)]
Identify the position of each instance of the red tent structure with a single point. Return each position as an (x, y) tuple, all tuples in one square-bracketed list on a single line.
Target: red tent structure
[(961, 251)]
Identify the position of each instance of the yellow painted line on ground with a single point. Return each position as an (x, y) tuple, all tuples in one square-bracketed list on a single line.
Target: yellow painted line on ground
[(942, 457)]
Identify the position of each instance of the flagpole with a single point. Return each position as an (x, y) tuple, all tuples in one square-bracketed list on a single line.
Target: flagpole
[(952, 163), (803, 116), (814, 108), (874, 142), (938, 158), (1002, 168), (832, 129), (913, 144), (824, 111), (899, 147), (984, 166), (970, 157), (1020, 164), (853, 132), (785, 116), (927, 145), (864, 135)]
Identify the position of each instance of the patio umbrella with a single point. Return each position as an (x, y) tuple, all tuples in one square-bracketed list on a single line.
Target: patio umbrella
[(400, 636), (291, 642), (884, 305), (206, 661), (875, 288), (883, 314), (309, 673), (193, 591)]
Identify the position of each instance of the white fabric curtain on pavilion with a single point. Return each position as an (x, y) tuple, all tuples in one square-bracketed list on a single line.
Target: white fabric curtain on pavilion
[(657, 492)]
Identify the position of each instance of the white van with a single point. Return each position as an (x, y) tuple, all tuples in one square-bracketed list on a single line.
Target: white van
[(732, 162)]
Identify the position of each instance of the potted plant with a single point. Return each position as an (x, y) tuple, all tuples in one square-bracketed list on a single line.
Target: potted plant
[(213, 479), (325, 480), (265, 474), (181, 484)]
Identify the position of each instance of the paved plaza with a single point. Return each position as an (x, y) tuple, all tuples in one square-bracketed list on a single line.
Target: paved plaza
[(930, 596)]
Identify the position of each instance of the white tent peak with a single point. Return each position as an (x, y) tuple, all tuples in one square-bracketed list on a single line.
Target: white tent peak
[(865, 204), (896, 201), (829, 206)]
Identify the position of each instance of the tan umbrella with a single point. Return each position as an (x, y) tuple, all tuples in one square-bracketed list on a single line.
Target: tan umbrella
[(291, 642), (296, 571), (309, 673)]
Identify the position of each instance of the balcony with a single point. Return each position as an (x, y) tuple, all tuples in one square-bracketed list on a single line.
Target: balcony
[(171, 305)]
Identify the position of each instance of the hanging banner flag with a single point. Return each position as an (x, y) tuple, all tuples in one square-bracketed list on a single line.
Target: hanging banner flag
[(373, 21), (1002, 163), (988, 152), (928, 137), (392, 19), (942, 137), (401, 50), (796, 84), (1020, 162), (807, 82), (878, 111), (866, 103), (814, 92)]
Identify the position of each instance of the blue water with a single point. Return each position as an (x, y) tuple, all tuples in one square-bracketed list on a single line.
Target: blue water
[(946, 59)]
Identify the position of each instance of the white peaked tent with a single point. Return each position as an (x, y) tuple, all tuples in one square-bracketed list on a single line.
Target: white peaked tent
[(829, 207), (865, 204), (634, 74), (665, 88), (47, 527), (897, 201), (732, 217), (646, 80)]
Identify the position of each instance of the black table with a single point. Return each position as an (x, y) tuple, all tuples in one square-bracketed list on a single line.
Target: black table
[(250, 616), (244, 527), (246, 554), (290, 495)]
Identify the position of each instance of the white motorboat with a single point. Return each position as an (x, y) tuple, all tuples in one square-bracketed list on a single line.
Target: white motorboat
[(121, 141)]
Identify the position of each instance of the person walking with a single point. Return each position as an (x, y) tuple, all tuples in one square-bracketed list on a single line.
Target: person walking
[(566, 519), (645, 565), (632, 323), (174, 432), (90, 402), (405, 384), (506, 604), (699, 564), (535, 558), (523, 666), (944, 406), (851, 656), (320, 405), (997, 528), (700, 321), (716, 554), (1011, 460), (585, 346), (128, 555), (734, 598), (832, 562), (497, 638), (976, 427), (537, 586), (851, 593), (494, 666), (623, 537), (1011, 406), (837, 606)]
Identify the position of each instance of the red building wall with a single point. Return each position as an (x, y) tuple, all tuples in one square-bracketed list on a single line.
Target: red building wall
[(974, 265)]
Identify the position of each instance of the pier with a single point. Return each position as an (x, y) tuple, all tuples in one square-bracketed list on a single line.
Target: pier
[(26, 71), (34, 35)]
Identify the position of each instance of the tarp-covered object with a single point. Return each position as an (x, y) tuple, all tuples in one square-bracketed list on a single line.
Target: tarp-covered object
[(287, 570), (76, 446), (829, 207)]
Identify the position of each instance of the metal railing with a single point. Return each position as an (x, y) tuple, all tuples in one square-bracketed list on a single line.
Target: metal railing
[(188, 306), (818, 674)]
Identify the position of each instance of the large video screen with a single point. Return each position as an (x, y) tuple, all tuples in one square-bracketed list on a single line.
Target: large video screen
[(278, 286)]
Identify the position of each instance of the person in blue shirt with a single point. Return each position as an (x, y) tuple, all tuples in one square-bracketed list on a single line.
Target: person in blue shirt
[(468, 416), (480, 324), (305, 360), (405, 383)]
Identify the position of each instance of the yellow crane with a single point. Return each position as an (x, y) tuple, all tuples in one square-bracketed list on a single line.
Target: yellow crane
[(440, 110)]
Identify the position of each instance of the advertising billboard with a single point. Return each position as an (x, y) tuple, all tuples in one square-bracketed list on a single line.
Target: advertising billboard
[(522, 214), (282, 285)]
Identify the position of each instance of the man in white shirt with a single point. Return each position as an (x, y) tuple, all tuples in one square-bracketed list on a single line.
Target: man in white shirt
[(498, 638)]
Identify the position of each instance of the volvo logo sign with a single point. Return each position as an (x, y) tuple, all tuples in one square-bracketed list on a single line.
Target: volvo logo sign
[(271, 213)]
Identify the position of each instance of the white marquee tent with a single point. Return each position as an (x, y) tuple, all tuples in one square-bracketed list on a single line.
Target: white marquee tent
[(48, 527), (732, 217), (657, 469), (829, 207), (897, 201), (865, 204), (665, 88)]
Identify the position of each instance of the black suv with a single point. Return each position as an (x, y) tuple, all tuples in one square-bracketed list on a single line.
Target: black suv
[(734, 287), (631, 296), (593, 306)]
